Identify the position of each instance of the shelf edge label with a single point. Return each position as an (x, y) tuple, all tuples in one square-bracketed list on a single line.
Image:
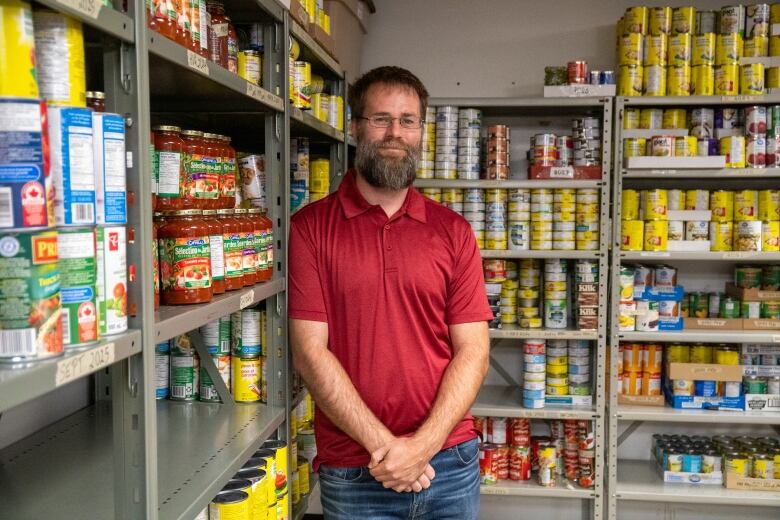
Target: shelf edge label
[(561, 172), (255, 92), (74, 367), (89, 8), (246, 299), (197, 62)]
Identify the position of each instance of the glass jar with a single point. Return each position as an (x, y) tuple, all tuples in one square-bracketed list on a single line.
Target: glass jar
[(96, 100), (193, 15), (194, 170), (216, 230), (161, 18), (229, 173), (168, 155), (154, 170), (218, 33), (249, 256), (156, 260), (255, 216), (264, 245), (182, 35), (214, 169), (185, 258), (233, 249), (232, 47)]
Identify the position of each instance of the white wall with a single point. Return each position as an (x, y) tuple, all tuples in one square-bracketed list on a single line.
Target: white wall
[(493, 48)]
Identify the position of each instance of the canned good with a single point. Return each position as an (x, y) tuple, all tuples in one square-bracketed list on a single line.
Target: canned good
[(721, 236), (111, 260), (656, 235), (246, 379), (733, 147), (78, 286), (726, 80), (751, 81), (747, 235), (185, 373)]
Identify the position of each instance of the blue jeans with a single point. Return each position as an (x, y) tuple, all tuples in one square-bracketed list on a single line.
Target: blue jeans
[(352, 493)]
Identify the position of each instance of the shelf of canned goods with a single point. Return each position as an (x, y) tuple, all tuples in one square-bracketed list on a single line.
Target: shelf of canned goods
[(476, 159), (200, 132), (693, 324)]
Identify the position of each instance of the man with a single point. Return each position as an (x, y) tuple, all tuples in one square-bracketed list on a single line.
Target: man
[(388, 324)]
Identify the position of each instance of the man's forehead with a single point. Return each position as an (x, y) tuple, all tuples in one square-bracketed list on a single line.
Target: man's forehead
[(384, 89)]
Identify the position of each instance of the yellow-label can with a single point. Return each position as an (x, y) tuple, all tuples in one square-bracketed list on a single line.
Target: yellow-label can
[(59, 54), (630, 49), (634, 146), (757, 46), (703, 49), (678, 354), (772, 77), (774, 13), (769, 205), (632, 235), (675, 118), (679, 50), (722, 206), (676, 199), (733, 147), (630, 80), (728, 48), (685, 146), (745, 205), (635, 20), (678, 80), (751, 81), (250, 66), (231, 505), (655, 204), (770, 235), (656, 49), (774, 45), (654, 80), (683, 19), (697, 200), (727, 80), (660, 20), (656, 235), (245, 383), (703, 80), (721, 236), (651, 118), (631, 118), (17, 51)]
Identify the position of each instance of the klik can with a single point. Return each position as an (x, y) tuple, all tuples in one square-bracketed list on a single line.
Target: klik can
[(111, 256), (185, 375), (246, 379)]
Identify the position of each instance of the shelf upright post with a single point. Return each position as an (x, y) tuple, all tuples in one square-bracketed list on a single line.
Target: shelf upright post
[(338, 150)]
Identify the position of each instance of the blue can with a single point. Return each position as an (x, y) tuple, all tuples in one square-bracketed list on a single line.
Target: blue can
[(705, 388), (607, 77), (692, 462), (533, 394), (162, 363), (708, 147), (594, 77)]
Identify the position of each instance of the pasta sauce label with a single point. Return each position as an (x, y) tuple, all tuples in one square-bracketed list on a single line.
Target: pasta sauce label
[(233, 247), (200, 183), (228, 177), (186, 263)]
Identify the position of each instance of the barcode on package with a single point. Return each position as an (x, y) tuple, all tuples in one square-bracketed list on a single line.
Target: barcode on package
[(17, 343), (83, 213), (773, 403), (180, 391), (6, 208), (65, 325)]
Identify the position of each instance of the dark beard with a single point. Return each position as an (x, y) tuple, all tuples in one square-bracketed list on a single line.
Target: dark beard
[(386, 172)]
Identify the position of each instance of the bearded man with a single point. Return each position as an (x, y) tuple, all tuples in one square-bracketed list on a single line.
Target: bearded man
[(388, 324)]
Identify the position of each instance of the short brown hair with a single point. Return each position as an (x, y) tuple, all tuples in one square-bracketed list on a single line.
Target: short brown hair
[(390, 76)]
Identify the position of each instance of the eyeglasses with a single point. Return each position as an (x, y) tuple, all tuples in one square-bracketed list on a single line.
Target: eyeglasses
[(409, 122)]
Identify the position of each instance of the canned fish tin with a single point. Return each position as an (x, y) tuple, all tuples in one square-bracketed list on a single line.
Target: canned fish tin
[(111, 256), (30, 308), (726, 80), (721, 236), (78, 286), (751, 81), (245, 382), (72, 165), (25, 186), (185, 375), (733, 147)]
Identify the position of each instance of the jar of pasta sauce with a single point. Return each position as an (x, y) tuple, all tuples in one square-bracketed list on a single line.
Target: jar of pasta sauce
[(249, 255), (262, 236), (227, 194), (185, 258), (156, 259), (196, 188), (168, 157), (216, 230), (233, 248), (215, 169)]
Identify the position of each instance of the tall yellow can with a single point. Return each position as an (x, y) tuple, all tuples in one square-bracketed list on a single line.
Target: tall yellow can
[(630, 49), (722, 206), (245, 383), (774, 45), (634, 146), (629, 205), (721, 234), (751, 80), (656, 235), (301, 77), (683, 19), (319, 176), (17, 50), (655, 204), (769, 205), (774, 13), (675, 118), (678, 81), (772, 77), (756, 46), (727, 80), (654, 80), (632, 235), (630, 118), (728, 48), (630, 80), (59, 55), (745, 205), (660, 20), (656, 49), (703, 49), (635, 20), (703, 80), (680, 49), (770, 235), (320, 105)]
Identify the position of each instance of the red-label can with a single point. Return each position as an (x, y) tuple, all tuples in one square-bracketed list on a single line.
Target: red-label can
[(487, 464), (520, 463), (577, 71), (501, 458)]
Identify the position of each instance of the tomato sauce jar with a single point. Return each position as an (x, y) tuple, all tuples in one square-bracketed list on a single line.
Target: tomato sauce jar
[(195, 180), (154, 170), (185, 258), (233, 248), (248, 255), (168, 155), (213, 157), (229, 174), (156, 260), (216, 230)]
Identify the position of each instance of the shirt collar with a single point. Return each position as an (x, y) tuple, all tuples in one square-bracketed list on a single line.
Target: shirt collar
[(353, 203)]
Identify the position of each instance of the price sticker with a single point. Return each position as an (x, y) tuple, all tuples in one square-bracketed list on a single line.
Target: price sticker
[(246, 299), (74, 367), (561, 172), (197, 62), (89, 8)]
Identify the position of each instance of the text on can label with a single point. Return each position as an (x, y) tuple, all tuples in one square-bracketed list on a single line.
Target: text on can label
[(74, 367)]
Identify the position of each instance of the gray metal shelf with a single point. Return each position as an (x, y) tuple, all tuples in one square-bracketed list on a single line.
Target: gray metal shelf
[(516, 332), (303, 124), (508, 184), (172, 320), (19, 384), (639, 480), (725, 173), (676, 415), (97, 15), (553, 253), (200, 446), (703, 256), (705, 336), (666, 101), (506, 401), (72, 460), (313, 51), (530, 488)]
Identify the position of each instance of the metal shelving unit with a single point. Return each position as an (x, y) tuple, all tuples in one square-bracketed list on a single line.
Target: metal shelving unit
[(506, 400), (639, 480)]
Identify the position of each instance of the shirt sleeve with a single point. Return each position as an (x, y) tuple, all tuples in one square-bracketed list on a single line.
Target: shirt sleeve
[(467, 300), (304, 291)]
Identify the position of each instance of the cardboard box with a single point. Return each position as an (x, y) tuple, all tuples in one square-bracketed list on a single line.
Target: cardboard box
[(689, 214), (298, 12), (686, 402), (762, 402), (704, 372), (713, 324), (735, 481), (324, 39), (565, 172), (348, 26), (751, 295), (569, 400), (641, 400), (699, 479), (749, 324), (675, 163)]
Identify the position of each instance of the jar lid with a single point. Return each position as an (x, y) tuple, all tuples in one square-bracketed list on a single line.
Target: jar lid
[(166, 128), (209, 135), (239, 211), (193, 133), (187, 212), (254, 210), (96, 94), (224, 212), (250, 52), (209, 212), (223, 138)]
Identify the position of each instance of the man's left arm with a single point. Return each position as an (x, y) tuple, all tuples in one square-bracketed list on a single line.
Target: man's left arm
[(404, 459)]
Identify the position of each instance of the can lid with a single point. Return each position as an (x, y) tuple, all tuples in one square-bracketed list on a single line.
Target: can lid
[(254, 211), (166, 128), (185, 212), (209, 135), (273, 444), (194, 133), (263, 453), (96, 94), (230, 497), (249, 473)]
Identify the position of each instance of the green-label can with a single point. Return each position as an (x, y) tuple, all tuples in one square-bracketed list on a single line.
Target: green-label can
[(729, 308), (111, 256), (78, 281), (754, 384), (698, 304), (747, 277), (770, 310), (185, 376), (216, 336), (750, 310)]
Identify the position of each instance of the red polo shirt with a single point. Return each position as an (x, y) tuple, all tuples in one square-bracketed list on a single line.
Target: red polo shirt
[(388, 288)]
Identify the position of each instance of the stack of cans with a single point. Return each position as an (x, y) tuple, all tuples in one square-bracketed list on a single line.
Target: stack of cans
[(496, 207), (497, 152), (586, 294), (571, 450), (509, 300), (556, 294), (587, 219), (534, 377), (544, 150), (565, 146), (557, 368), (453, 199), (493, 290), (564, 210), (529, 311), (579, 367), (586, 133), (541, 219), (446, 142), (469, 126), (474, 213), (519, 220), (432, 193), (426, 166)]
